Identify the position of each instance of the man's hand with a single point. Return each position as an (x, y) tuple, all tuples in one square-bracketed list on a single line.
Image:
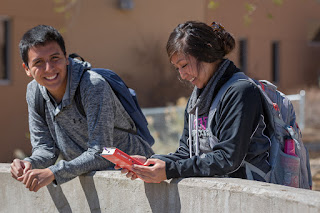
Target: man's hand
[(19, 167), (153, 171), (37, 178)]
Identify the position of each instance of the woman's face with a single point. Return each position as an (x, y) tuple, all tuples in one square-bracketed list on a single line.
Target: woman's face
[(190, 70)]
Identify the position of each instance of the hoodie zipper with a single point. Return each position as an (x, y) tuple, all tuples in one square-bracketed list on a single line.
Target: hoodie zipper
[(191, 120)]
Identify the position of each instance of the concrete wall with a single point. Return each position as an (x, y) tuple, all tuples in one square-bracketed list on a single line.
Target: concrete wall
[(109, 191)]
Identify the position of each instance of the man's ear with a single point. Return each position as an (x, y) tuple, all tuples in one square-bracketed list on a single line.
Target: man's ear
[(26, 69)]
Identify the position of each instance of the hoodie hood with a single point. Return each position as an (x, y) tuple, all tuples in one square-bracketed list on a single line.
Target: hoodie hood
[(202, 98), (76, 69)]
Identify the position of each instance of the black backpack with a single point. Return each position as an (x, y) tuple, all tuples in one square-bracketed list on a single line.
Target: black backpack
[(127, 97), (290, 169)]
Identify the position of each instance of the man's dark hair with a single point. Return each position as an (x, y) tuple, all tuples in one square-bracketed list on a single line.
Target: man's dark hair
[(39, 35)]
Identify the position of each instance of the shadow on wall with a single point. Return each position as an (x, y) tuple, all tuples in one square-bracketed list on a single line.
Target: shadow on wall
[(163, 196), (90, 192), (59, 199)]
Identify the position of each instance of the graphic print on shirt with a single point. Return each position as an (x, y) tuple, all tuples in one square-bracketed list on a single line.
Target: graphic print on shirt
[(206, 140)]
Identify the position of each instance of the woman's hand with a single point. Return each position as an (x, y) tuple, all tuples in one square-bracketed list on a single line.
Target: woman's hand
[(153, 171), (131, 174)]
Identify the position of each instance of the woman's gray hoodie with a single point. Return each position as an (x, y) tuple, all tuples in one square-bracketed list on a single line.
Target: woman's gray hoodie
[(80, 139)]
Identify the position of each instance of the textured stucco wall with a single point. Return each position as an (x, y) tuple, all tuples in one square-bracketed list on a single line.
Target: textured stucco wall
[(109, 191)]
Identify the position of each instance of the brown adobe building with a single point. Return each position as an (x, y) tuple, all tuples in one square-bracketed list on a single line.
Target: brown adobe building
[(131, 41), (280, 44)]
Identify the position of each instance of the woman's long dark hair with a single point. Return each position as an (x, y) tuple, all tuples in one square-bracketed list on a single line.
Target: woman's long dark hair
[(205, 43)]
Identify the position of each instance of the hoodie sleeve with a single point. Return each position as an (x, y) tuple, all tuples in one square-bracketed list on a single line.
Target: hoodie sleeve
[(236, 119), (44, 151)]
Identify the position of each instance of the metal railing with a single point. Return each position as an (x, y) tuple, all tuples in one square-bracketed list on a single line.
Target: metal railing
[(161, 110), (301, 97), (158, 111)]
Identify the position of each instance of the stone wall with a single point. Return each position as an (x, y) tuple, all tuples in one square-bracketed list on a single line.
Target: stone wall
[(109, 191)]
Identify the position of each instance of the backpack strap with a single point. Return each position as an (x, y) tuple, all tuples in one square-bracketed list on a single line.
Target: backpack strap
[(251, 168), (39, 103), (75, 55), (80, 108), (235, 77), (78, 101), (126, 96)]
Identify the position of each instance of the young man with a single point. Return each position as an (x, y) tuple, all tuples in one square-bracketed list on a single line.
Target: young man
[(64, 130)]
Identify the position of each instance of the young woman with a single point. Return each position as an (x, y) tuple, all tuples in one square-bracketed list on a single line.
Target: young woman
[(234, 135)]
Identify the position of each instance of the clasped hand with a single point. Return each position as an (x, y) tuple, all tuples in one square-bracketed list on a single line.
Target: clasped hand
[(34, 179), (152, 171)]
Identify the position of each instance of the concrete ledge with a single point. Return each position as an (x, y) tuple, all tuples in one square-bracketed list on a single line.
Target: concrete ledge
[(109, 191)]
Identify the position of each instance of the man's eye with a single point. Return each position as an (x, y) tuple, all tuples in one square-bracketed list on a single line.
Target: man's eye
[(184, 65), (37, 63)]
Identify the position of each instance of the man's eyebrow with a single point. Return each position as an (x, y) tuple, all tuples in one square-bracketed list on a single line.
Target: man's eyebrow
[(56, 53)]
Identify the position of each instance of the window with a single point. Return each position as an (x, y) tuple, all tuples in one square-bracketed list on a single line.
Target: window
[(126, 4), (243, 55), (4, 48), (314, 39), (275, 61)]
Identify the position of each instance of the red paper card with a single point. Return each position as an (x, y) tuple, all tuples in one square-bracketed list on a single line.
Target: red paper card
[(119, 158)]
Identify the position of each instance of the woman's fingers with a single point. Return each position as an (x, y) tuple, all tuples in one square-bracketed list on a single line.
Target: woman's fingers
[(117, 167), (140, 158), (153, 171)]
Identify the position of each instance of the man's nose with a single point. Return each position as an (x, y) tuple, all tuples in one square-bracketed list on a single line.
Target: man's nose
[(49, 65)]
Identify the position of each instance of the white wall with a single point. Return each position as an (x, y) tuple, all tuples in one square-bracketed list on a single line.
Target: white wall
[(109, 191)]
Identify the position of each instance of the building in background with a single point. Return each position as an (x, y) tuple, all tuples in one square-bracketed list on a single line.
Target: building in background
[(274, 42)]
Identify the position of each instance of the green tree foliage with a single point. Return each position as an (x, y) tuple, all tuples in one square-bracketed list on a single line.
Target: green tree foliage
[(64, 7)]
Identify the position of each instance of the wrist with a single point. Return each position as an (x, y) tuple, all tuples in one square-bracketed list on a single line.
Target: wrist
[(50, 174)]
